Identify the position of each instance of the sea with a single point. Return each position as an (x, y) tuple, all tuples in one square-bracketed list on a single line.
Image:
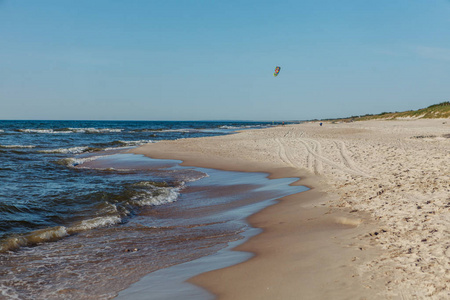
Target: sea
[(82, 218)]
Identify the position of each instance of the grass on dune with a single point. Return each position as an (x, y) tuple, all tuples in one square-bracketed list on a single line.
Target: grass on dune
[(435, 111)]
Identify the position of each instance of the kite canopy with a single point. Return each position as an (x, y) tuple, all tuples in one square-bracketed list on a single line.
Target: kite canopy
[(277, 70)]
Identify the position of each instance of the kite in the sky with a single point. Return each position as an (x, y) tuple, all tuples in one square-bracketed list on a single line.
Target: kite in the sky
[(277, 70)]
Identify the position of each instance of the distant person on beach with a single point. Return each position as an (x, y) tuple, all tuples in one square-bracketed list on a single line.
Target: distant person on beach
[(320, 124)]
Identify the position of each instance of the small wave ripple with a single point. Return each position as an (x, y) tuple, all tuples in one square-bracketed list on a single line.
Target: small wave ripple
[(112, 212), (71, 130), (17, 146)]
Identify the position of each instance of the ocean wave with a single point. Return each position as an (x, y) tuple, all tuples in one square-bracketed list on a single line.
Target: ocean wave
[(48, 131), (54, 234), (6, 208), (228, 127), (133, 143), (183, 130), (17, 146), (241, 127), (71, 130), (180, 130), (72, 150), (75, 161), (145, 130), (155, 196), (164, 130), (145, 194), (15, 151), (122, 144), (96, 130), (137, 143), (101, 147), (94, 223), (33, 238)]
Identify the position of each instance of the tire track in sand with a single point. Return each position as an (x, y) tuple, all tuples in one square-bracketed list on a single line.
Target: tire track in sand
[(318, 166), (286, 156), (318, 155), (282, 154), (347, 160), (315, 158)]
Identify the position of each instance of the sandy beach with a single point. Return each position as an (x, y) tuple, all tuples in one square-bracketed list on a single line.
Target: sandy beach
[(374, 224)]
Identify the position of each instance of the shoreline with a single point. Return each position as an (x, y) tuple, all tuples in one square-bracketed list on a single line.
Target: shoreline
[(318, 217), (328, 236), (171, 282), (331, 245)]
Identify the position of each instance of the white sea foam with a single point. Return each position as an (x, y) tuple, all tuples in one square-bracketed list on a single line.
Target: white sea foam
[(70, 162), (48, 131), (129, 144), (73, 161), (95, 223), (73, 150), (17, 146), (136, 143), (159, 197), (229, 127), (179, 130), (82, 149), (95, 130), (72, 130), (199, 175), (33, 238), (45, 235), (108, 209), (240, 127), (56, 233)]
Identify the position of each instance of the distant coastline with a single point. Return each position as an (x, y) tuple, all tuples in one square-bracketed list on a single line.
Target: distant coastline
[(435, 111)]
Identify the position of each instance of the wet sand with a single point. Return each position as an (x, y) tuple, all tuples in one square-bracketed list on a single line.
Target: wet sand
[(373, 226)]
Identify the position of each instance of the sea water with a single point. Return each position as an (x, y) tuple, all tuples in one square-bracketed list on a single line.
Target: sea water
[(82, 219)]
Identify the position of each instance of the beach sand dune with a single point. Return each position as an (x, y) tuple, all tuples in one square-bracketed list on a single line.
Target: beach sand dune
[(375, 224)]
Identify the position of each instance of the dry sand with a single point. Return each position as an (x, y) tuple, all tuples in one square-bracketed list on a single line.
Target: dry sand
[(375, 224)]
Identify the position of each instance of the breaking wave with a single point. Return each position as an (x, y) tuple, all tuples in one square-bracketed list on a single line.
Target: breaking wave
[(86, 149), (241, 127), (72, 150), (94, 223), (71, 130), (122, 143), (145, 193), (150, 195), (17, 146), (75, 161), (135, 143), (33, 238)]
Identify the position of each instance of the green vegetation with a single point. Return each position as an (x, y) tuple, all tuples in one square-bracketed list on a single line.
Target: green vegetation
[(435, 111)]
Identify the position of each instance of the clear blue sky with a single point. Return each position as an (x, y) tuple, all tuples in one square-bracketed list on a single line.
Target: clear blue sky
[(209, 60)]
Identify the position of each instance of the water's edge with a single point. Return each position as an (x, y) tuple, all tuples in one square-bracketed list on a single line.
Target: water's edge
[(171, 282)]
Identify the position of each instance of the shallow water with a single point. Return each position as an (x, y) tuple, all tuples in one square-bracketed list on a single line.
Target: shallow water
[(207, 215)]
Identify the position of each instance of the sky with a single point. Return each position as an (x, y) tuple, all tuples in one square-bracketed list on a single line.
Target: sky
[(214, 60)]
